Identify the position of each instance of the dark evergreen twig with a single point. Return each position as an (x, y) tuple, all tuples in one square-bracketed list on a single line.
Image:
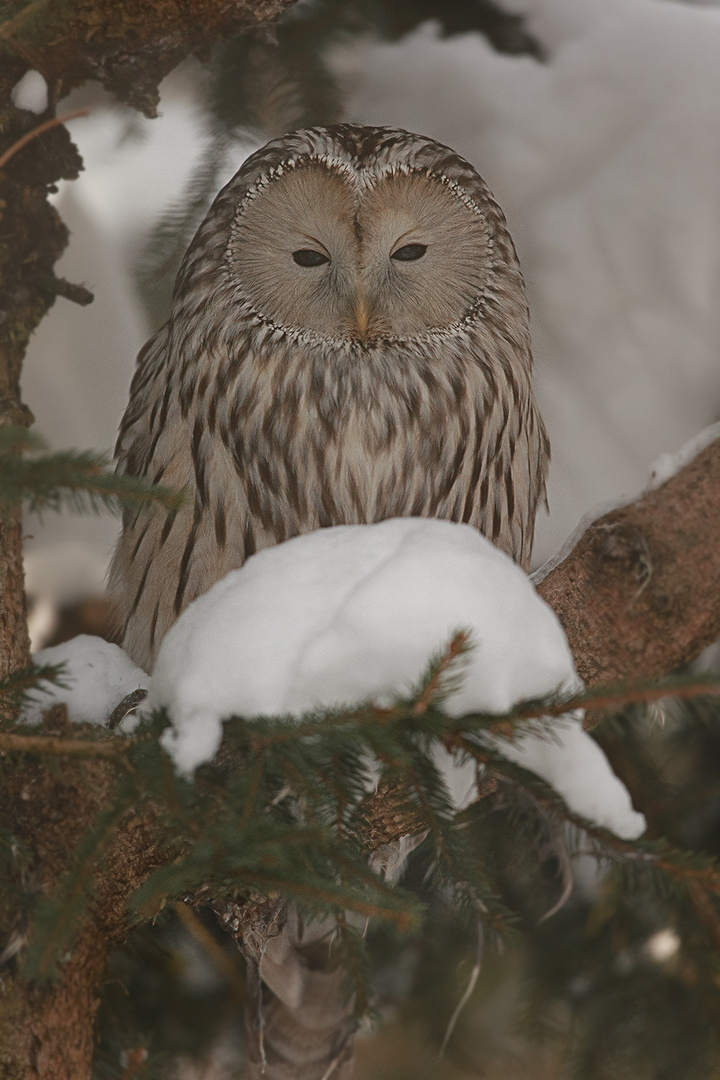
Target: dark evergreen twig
[(80, 480), (18, 686)]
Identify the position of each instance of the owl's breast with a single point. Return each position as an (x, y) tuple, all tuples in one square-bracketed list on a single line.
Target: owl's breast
[(358, 437)]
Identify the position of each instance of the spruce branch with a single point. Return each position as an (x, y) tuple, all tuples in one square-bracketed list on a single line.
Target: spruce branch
[(81, 480), (17, 687), (527, 716), (608, 698), (668, 866), (284, 811), (383, 730), (442, 675)]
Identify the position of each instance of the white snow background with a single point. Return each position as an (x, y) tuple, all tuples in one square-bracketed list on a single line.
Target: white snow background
[(605, 159)]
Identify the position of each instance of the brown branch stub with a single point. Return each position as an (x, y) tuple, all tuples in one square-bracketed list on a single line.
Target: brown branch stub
[(55, 121), (639, 594), (388, 814)]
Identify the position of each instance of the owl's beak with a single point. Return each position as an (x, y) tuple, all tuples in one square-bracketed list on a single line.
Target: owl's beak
[(362, 317)]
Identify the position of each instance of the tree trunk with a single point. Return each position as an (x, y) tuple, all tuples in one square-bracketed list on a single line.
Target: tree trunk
[(47, 1024), (46, 1029), (15, 650)]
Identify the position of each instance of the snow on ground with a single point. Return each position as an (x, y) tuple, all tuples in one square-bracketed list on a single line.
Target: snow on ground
[(353, 613), (98, 676)]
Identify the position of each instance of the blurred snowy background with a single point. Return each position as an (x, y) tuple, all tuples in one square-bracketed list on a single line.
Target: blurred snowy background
[(596, 124)]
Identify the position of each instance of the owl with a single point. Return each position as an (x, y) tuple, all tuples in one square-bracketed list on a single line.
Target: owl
[(348, 343)]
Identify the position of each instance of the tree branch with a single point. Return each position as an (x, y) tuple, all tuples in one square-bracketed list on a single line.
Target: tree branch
[(39, 130), (62, 746), (639, 594)]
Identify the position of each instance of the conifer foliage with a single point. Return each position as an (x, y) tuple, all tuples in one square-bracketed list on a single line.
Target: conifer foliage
[(284, 815), (80, 480)]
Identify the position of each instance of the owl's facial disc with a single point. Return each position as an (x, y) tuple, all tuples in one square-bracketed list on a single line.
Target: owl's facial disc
[(360, 258)]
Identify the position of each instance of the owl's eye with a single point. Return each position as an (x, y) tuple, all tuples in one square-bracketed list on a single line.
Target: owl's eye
[(308, 257), (409, 253)]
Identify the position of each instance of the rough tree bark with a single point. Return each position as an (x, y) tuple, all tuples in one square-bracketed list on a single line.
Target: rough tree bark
[(128, 46), (46, 1027), (38, 238), (637, 596)]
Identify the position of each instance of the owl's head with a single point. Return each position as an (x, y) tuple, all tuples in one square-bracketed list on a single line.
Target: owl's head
[(357, 233)]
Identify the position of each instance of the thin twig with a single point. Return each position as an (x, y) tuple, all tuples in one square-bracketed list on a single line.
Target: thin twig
[(52, 744), (607, 697), (456, 647), (33, 134), (472, 982), (602, 697), (706, 910), (366, 716)]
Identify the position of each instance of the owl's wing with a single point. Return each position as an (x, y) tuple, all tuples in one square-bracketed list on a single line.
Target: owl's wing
[(134, 448), (153, 446)]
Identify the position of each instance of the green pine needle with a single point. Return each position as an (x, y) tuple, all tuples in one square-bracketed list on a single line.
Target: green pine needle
[(20, 686), (79, 480)]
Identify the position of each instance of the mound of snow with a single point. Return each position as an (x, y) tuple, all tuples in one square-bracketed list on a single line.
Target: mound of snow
[(98, 676), (353, 613)]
